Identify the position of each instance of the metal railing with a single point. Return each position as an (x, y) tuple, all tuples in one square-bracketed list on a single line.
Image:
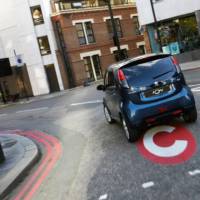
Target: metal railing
[(65, 5)]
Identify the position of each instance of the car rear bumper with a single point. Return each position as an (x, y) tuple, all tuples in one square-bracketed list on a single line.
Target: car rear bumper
[(145, 113)]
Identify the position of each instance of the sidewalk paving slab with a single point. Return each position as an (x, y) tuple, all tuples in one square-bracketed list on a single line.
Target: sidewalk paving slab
[(21, 153)]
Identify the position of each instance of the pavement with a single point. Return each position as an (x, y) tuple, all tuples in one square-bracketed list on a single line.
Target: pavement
[(20, 154), (45, 96)]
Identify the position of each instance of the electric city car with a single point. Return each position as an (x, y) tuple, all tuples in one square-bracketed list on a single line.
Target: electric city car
[(143, 90)]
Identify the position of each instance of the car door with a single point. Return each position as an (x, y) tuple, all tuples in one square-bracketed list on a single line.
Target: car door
[(111, 94)]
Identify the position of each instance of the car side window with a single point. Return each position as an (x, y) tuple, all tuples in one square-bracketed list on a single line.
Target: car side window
[(109, 80)]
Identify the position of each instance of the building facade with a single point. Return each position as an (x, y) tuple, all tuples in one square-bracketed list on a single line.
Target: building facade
[(27, 39), (85, 36), (178, 26)]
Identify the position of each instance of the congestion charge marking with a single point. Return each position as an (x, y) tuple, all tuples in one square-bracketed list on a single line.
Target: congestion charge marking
[(167, 145)]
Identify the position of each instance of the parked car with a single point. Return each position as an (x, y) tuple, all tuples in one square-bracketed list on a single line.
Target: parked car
[(140, 91)]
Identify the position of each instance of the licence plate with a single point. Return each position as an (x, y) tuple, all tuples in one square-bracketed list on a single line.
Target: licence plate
[(157, 91)]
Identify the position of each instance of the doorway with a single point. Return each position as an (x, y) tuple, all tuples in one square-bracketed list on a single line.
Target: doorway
[(52, 78), (93, 67)]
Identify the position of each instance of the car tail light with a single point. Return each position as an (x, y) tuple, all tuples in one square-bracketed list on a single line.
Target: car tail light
[(121, 75), (122, 79), (176, 63)]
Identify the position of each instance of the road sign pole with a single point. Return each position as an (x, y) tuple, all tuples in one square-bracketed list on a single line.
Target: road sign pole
[(115, 34), (2, 157)]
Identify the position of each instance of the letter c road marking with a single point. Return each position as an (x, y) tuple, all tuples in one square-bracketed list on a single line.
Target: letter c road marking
[(167, 145)]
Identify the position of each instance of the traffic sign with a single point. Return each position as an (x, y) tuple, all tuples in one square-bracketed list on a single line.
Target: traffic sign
[(167, 145), (19, 61)]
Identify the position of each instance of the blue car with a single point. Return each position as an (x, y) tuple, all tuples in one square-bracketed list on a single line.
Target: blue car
[(141, 91)]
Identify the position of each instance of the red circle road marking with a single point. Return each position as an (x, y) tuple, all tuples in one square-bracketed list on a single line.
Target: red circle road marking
[(167, 145)]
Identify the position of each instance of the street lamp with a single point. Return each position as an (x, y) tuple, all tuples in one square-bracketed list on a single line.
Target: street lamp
[(156, 25), (115, 34), (2, 157)]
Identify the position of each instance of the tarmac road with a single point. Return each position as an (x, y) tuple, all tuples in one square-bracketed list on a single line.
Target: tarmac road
[(97, 161)]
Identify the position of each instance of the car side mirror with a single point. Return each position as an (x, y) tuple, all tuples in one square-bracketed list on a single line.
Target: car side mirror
[(101, 87)]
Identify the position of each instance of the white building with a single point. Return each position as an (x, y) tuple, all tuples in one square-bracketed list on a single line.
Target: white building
[(181, 17), (26, 31)]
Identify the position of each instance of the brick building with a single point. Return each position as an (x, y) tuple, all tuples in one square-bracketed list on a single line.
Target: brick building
[(85, 36)]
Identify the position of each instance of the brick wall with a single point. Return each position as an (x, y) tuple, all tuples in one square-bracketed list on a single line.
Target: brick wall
[(102, 40)]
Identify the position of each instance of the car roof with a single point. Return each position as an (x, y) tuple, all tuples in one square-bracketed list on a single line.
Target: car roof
[(133, 60)]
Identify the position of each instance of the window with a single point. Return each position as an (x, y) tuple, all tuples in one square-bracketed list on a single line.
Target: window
[(136, 26), (123, 52), (44, 45), (102, 3), (85, 33), (92, 67), (120, 2), (37, 15), (141, 49), (88, 68), (110, 82), (181, 34), (118, 28), (80, 32)]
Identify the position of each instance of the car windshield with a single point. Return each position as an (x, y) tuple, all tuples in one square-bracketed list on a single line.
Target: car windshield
[(148, 72)]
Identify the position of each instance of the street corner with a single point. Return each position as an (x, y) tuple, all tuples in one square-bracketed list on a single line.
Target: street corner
[(24, 151), (167, 144), (19, 154)]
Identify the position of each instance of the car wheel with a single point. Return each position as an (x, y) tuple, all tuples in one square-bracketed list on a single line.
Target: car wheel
[(107, 114), (132, 134), (190, 116)]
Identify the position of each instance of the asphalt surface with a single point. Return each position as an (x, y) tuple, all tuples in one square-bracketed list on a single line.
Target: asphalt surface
[(97, 161)]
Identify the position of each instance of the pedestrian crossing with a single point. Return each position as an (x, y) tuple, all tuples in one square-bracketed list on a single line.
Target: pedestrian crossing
[(195, 88)]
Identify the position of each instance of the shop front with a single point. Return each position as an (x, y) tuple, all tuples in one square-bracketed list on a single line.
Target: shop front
[(177, 36)]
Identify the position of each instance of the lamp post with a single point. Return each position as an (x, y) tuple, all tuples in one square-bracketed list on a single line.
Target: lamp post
[(115, 34), (156, 26), (2, 157)]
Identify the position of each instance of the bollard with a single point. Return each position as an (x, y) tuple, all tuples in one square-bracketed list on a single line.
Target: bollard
[(2, 157)]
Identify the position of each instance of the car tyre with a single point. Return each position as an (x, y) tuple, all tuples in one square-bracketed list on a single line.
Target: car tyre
[(190, 116), (107, 114), (132, 134)]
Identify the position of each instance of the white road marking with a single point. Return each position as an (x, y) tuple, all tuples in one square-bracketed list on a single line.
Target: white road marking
[(87, 102), (194, 85), (195, 172), (148, 184), (32, 110), (3, 115), (103, 197), (196, 89)]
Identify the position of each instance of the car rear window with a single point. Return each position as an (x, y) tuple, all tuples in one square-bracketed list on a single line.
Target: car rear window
[(148, 72)]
